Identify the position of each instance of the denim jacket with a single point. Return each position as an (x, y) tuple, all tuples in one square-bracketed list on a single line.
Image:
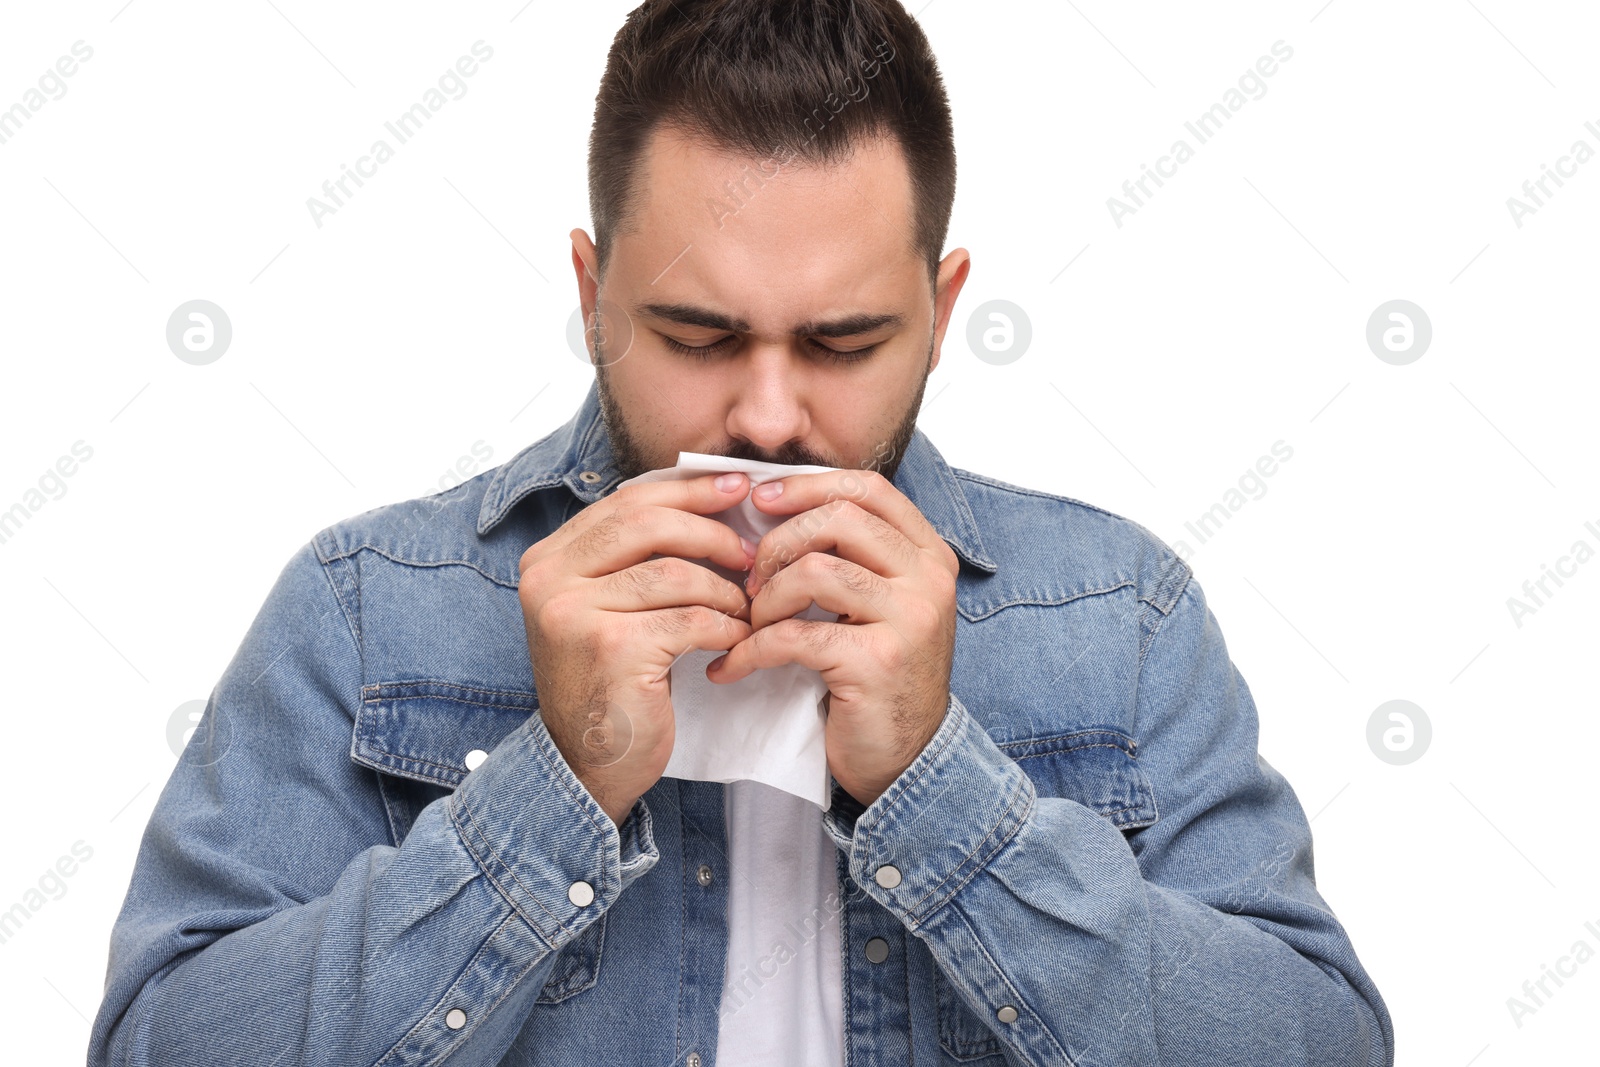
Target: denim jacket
[(371, 852)]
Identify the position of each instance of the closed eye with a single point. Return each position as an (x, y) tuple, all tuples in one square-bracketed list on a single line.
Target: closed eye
[(705, 352)]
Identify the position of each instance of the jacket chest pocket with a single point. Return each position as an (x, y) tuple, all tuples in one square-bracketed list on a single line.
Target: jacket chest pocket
[(423, 738), (1099, 769)]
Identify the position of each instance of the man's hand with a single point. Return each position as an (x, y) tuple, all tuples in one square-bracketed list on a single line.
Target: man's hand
[(605, 622), (891, 579)]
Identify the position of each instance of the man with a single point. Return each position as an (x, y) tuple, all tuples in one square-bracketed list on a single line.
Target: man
[(424, 820)]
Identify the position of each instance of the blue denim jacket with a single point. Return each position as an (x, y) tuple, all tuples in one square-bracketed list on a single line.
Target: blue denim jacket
[(1094, 865)]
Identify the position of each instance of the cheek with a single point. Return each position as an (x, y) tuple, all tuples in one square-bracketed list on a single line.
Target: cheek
[(851, 431), (675, 400)]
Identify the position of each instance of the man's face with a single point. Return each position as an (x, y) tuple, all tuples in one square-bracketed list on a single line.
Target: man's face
[(801, 287)]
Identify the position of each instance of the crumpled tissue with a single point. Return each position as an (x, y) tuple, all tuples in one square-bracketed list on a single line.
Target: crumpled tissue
[(767, 727)]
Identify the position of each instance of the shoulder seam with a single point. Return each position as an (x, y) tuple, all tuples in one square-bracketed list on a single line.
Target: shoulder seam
[(1170, 562), (1177, 595), (352, 615), (1022, 490)]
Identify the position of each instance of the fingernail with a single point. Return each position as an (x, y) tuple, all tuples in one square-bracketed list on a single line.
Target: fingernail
[(716, 664), (728, 482), (749, 549), (769, 490)]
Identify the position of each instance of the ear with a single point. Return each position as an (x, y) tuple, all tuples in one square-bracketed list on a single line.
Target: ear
[(953, 271), (585, 264)]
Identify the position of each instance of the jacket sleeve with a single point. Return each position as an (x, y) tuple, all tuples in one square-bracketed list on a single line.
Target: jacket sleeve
[(270, 920), (1200, 939)]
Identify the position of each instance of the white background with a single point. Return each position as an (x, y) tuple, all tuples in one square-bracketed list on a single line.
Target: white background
[(430, 313)]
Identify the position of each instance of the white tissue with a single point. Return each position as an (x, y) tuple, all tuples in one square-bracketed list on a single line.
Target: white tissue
[(768, 726)]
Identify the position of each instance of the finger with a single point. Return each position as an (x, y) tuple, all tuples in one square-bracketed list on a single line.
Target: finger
[(627, 535), (673, 632), (868, 490), (691, 496), (700, 495), (838, 526), (851, 592), (822, 646), (665, 583)]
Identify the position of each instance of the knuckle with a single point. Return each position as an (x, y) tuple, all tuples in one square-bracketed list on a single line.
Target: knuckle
[(924, 619), (555, 614), (815, 565), (671, 621), (641, 578), (857, 580), (630, 582), (528, 594), (713, 621), (907, 550), (681, 573), (816, 633), (634, 518), (699, 617), (599, 535), (884, 532)]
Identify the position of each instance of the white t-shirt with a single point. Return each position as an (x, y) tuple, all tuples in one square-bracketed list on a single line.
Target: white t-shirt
[(782, 991)]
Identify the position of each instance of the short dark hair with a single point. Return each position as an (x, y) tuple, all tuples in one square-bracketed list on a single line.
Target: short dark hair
[(777, 79)]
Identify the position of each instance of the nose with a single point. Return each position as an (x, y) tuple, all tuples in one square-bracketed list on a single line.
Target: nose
[(770, 407)]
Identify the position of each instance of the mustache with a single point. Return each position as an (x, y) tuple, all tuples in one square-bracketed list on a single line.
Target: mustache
[(792, 453)]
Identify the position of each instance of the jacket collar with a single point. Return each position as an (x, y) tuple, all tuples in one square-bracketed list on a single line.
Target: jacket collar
[(578, 455)]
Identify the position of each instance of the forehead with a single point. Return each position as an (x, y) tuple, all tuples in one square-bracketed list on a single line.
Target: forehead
[(762, 235)]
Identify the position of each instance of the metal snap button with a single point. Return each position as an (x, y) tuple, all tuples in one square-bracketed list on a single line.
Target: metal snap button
[(581, 894), (1007, 1014), (589, 476), (475, 758), (692, 1060), (887, 876), (703, 875), (455, 1018), (877, 950)]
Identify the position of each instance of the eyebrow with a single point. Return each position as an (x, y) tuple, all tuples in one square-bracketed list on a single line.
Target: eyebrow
[(848, 326)]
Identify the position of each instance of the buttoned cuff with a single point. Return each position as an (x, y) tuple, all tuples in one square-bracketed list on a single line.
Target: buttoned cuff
[(543, 840), (940, 822)]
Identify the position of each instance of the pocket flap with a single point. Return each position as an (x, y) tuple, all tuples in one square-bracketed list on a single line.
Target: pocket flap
[(1098, 768), (425, 729)]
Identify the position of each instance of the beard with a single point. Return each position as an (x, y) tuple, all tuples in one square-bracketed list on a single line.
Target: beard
[(884, 458)]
